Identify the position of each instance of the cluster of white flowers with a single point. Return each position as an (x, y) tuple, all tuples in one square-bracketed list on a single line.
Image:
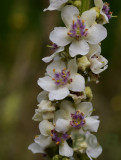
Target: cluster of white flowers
[(65, 108)]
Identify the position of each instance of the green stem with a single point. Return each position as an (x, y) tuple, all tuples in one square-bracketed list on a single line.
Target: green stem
[(85, 5)]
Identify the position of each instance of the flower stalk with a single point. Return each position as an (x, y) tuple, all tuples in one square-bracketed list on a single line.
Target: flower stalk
[(85, 5)]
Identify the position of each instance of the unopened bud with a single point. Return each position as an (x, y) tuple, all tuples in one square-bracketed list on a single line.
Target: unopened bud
[(97, 11), (65, 158), (57, 157), (77, 3), (83, 63), (89, 94)]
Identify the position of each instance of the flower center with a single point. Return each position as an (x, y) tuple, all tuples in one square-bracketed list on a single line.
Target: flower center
[(62, 78), (59, 137), (106, 10), (78, 120), (78, 29)]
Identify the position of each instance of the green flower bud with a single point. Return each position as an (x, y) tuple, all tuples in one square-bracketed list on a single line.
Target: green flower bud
[(83, 63), (57, 157), (65, 158), (77, 3), (89, 94)]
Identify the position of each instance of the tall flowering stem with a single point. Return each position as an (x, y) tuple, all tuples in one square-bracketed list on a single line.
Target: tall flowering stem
[(65, 110)]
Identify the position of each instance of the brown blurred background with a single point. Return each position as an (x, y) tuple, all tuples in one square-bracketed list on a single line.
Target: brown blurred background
[(24, 31)]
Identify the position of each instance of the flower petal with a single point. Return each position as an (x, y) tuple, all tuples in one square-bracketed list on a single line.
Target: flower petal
[(68, 14), (35, 148), (67, 106), (104, 17), (59, 36), (98, 3), (42, 96), (94, 49), (96, 34), (50, 58), (94, 149), (37, 116), (45, 127), (43, 141), (55, 5), (91, 124), (55, 66), (46, 106), (65, 149), (72, 66), (60, 114), (99, 64), (89, 17), (85, 107), (62, 125), (47, 115), (58, 94), (78, 48), (94, 152), (77, 84), (46, 83)]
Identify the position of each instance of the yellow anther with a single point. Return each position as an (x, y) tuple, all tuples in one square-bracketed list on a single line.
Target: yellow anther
[(53, 70), (57, 143), (36, 136)]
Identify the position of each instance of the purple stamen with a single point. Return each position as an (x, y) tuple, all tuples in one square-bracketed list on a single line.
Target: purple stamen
[(106, 10), (78, 29), (78, 120), (62, 78), (59, 137), (53, 46)]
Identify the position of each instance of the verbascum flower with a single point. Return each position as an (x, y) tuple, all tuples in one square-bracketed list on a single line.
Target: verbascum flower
[(97, 62), (56, 5), (61, 79), (104, 11), (49, 137), (78, 118), (79, 31), (85, 142)]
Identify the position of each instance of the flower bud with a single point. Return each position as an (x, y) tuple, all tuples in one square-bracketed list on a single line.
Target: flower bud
[(77, 3), (65, 158), (97, 11), (57, 157), (83, 63), (89, 94)]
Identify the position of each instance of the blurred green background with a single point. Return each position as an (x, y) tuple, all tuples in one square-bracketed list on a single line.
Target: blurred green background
[(24, 31)]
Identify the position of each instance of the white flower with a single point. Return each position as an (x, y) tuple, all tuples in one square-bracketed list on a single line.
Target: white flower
[(45, 111), (61, 79), (56, 4), (57, 51), (49, 137), (104, 10), (86, 143), (98, 62), (78, 118), (79, 31)]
